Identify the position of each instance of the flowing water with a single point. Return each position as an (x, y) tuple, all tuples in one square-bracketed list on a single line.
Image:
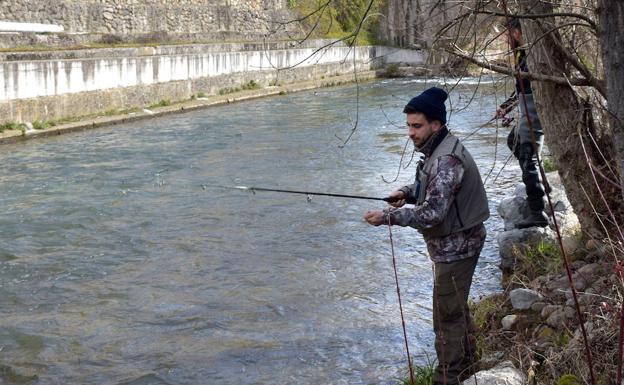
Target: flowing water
[(118, 267)]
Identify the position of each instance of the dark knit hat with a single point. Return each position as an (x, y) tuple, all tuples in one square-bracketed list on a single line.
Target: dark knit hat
[(430, 103)]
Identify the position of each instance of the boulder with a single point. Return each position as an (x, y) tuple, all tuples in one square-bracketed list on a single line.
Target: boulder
[(509, 321), (510, 243), (557, 318), (522, 299), (538, 306), (548, 310), (502, 374), (514, 208)]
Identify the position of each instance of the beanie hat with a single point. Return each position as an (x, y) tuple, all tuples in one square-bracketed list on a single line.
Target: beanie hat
[(430, 103)]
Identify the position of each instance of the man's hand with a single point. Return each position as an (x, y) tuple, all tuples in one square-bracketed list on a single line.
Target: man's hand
[(375, 218), (500, 113), (400, 198)]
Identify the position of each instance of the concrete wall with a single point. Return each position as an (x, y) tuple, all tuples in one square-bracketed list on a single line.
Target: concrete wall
[(48, 85), (389, 55)]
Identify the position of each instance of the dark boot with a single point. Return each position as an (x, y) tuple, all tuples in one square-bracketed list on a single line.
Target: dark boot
[(534, 219)]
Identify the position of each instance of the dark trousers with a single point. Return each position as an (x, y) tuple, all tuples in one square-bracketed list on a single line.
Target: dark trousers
[(452, 322), (530, 176), (529, 142)]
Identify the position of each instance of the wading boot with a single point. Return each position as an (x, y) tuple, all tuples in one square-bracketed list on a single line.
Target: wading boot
[(534, 219)]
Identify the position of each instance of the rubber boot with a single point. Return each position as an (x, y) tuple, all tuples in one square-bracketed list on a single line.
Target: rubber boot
[(534, 219)]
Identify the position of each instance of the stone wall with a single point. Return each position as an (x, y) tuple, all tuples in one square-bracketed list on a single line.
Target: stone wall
[(126, 17)]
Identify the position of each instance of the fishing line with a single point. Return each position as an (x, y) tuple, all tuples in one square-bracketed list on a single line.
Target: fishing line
[(398, 289), (386, 199)]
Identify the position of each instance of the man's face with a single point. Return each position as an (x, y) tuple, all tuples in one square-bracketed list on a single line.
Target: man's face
[(419, 129)]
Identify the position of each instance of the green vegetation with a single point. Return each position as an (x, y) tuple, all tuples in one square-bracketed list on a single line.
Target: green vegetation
[(423, 375), (487, 315), (486, 310), (339, 19), (561, 339), (161, 103), (201, 95), (392, 70), (43, 124), (250, 85), (549, 164), (12, 126), (569, 379), (541, 259), (115, 112)]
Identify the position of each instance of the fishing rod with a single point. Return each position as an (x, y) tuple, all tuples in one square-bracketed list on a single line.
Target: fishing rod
[(253, 189)]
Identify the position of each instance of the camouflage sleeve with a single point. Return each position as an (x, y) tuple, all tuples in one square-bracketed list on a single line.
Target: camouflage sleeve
[(440, 193)]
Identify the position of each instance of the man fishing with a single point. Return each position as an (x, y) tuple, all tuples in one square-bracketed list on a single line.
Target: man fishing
[(449, 208), (527, 138)]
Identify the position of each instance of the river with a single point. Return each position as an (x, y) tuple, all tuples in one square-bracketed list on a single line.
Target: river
[(118, 267)]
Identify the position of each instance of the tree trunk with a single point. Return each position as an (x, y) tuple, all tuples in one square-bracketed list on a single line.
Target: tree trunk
[(612, 23), (567, 120)]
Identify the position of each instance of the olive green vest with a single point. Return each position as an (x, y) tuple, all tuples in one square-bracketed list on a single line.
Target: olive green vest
[(470, 205)]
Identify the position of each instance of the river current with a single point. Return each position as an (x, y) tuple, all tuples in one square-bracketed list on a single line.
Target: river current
[(121, 264)]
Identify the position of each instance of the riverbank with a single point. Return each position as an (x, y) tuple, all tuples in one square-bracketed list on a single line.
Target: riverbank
[(21, 132), (539, 327)]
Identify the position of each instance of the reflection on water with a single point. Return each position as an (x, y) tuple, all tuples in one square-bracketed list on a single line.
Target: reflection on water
[(116, 267)]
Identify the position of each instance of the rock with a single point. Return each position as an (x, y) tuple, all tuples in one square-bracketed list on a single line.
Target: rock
[(512, 211), (592, 244), (522, 299), (590, 271), (510, 242), (579, 283), (539, 281), (491, 359), (502, 374), (570, 312), (543, 336), (548, 310), (538, 306), (578, 264), (557, 318), (508, 321), (559, 284)]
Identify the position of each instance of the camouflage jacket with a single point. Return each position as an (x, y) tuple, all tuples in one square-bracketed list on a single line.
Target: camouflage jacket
[(439, 196)]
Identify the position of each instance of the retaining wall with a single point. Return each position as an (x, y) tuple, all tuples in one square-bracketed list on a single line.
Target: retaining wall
[(51, 85)]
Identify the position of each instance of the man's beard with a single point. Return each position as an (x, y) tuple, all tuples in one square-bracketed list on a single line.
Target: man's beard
[(424, 144)]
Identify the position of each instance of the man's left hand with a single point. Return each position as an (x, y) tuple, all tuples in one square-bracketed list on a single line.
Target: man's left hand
[(375, 218)]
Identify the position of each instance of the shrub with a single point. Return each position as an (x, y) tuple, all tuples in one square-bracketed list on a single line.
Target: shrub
[(111, 39), (392, 70), (161, 103), (12, 126)]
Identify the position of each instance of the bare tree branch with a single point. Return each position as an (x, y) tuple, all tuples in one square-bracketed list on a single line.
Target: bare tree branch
[(541, 16), (524, 75)]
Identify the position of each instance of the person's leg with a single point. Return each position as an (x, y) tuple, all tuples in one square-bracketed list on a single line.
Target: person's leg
[(451, 318), (531, 138)]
